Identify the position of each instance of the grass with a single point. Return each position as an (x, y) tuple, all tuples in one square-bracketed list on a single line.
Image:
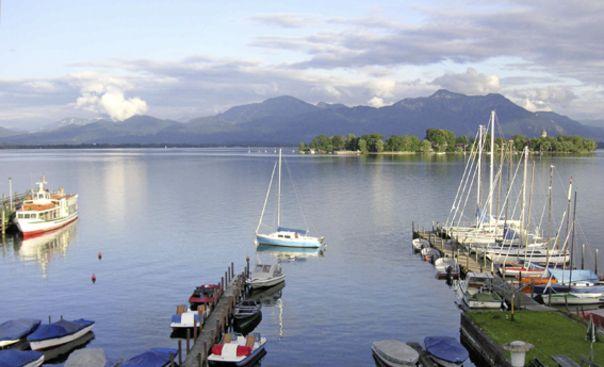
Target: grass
[(550, 332)]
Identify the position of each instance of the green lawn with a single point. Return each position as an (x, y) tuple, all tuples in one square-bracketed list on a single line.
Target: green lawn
[(550, 332)]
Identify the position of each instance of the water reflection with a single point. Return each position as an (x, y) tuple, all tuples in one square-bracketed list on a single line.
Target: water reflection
[(271, 297), (42, 248), (291, 253), (59, 354)]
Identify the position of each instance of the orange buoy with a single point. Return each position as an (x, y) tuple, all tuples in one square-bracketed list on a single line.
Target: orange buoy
[(93, 278), (100, 255)]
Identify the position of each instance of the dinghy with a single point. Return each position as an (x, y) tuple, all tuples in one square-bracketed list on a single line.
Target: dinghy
[(246, 316), (14, 331), (266, 275), (188, 319), (284, 237), (419, 243), (58, 333), (206, 294), (446, 351), (237, 350), (20, 358), (155, 357), (446, 266), (476, 291), (394, 353), (89, 357)]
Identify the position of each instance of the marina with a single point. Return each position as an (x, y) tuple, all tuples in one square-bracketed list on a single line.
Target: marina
[(283, 303)]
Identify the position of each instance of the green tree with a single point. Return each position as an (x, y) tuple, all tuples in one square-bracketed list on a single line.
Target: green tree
[(362, 145), (302, 147), (426, 146), (441, 140), (338, 142)]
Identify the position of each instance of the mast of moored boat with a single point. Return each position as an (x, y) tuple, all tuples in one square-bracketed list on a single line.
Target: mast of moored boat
[(549, 203), (279, 193), (479, 169), (492, 165), (523, 213), (572, 241)]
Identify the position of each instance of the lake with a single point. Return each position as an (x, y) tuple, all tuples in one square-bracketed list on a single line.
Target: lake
[(168, 220)]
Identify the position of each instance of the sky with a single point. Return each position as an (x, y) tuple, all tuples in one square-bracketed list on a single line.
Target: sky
[(185, 59)]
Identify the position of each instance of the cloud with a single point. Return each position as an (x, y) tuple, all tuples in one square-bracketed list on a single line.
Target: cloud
[(105, 95), (284, 20), (545, 99), (469, 82), (376, 102)]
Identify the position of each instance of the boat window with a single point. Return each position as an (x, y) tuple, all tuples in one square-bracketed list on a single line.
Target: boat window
[(287, 236)]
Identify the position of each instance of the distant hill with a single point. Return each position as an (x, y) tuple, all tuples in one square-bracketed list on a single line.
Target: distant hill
[(288, 120), (4, 132)]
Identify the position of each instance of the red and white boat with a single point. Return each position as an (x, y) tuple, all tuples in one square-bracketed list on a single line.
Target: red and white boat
[(44, 211)]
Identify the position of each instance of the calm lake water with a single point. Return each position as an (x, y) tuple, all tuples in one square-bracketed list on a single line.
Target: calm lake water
[(168, 220)]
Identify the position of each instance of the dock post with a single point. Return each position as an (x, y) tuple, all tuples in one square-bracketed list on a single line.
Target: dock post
[(3, 221), (171, 360), (596, 263), (232, 269), (179, 352), (49, 320), (582, 256), (205, 353), (188, 341), (199, 360), (247, 266)]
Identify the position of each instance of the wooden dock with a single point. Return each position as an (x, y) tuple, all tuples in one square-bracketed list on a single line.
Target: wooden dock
[(219, 320), (8, 205), (471, 262)]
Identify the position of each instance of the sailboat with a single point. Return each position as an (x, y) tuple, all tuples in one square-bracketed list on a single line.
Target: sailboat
[(284, 236)]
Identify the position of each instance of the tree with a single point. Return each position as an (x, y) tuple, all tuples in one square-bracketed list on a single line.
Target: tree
[(426, 146), (372, 142), (379, 146), (441, 140), (338, 142), (302, 147), (362, 145)]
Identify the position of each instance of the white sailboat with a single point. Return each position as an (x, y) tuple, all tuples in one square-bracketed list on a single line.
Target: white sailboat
[(283, 236)]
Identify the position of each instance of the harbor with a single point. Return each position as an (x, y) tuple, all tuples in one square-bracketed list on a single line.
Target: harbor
[(372, 282)]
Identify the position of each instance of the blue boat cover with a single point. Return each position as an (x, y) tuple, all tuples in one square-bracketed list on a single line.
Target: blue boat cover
[(299, 231), (176, 318), (155, 357), (563, 276), (58, 329), (17, 329), (446, 348), (18, 358)]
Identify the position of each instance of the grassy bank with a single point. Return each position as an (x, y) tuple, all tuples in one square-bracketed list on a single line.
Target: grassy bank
[(551, 333)]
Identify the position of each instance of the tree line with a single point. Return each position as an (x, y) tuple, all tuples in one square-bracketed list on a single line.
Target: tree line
[(440, 140)]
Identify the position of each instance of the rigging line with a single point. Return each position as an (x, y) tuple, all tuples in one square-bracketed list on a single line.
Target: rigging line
[(291, 180), (268, 192), (463, 191)]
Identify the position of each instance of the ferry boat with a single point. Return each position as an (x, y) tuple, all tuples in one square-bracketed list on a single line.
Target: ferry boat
[(44, 211)]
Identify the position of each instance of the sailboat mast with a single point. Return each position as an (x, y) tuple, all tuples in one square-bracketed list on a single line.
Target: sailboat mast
[(572, 241), (492, 164), (479, 169), (550, 230), (522, 221), (279, 193)]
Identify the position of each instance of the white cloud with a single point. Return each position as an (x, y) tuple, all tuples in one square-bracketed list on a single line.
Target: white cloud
[(376, 102), (546, 99), (102, 94), (469, 82)]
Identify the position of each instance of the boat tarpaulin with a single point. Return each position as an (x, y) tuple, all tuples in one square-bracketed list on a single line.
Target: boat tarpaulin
[(58, 329), (446, 348), (17, 329), (294, 230), (396, 352), (12, 358), (89, 357), (156, 357), (579, 275)]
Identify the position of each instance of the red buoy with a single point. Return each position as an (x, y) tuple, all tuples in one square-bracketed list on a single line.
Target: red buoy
[(93, 278), (100, 255)]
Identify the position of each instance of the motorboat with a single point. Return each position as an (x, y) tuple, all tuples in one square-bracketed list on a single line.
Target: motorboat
[(283, 236), (476, 291), (206, 294), (20, 358), (58, 333), (266, 275), (247, 313), (14, 331), (44, 211), (154, 357), (570, 299), (394, 353), (446, 351), (419, 243), (446, 266), (89, 357), (267, 296), (185, 318), (238, 350), (430, 253)]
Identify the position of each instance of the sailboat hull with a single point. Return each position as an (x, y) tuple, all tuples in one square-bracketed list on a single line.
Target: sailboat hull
[(300, 242)]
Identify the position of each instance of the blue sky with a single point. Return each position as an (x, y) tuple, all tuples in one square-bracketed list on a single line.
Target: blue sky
[(184, 59)]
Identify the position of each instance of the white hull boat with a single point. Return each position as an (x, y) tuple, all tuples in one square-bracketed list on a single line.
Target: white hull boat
[(394, 353), (58, 333), (419, 243), (237, 351), (266, 275)]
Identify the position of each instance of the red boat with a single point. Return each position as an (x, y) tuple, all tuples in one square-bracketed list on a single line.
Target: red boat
[(205, 294)]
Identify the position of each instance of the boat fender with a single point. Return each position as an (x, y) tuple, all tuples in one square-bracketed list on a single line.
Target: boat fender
[(100, 255), (93, 279)]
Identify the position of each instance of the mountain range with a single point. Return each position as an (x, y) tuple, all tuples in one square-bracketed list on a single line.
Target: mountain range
[(288, 120)]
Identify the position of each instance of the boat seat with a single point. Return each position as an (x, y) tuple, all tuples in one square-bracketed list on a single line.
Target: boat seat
[(249, 341), (227, 338)]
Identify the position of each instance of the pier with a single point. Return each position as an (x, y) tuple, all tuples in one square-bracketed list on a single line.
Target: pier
[(218, 321), (9, 204)]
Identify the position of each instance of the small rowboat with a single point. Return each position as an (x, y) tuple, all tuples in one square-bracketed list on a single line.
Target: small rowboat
[(446, 266), (394, 353), (14, 331), (419, 243), (155, 357), (20, 358), (446, 351), (58, 333), (237, 350), (247, 316)]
